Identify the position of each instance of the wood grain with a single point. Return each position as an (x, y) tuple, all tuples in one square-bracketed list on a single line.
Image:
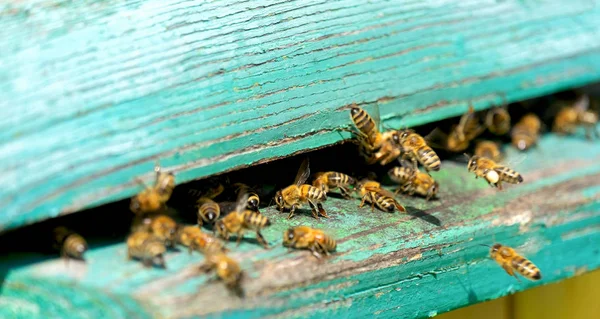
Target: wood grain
[(390, 265), (93, 93)]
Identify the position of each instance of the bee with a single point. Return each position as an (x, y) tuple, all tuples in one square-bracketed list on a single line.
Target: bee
[(241, 220), (413, 181), (374, 146), (154, 198), (568, 118), (373, 193), (71, 244), (511, 261), (227, 269), (416, 149), (253, 199), (293, 196), (468, 127), (163, 227), (526, 132), (497, 120), (195, 239), (304, 237), (488, 149), (147, 248), (327, 181), (208, 211), (492, 172)]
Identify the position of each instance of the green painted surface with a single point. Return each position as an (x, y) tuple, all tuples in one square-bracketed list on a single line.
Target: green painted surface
[(94, 92), (387, 265)]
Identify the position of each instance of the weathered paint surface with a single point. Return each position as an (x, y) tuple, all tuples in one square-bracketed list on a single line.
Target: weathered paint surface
[(388, 265), (94, 92)]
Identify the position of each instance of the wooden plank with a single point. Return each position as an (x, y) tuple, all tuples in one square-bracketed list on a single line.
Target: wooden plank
[(94, 93), (390, 265)]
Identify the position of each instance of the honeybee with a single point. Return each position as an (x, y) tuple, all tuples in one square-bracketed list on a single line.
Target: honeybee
[(208, 211), (147, 248), (241, 220), (163, 227), (492, 172), (568, 118), (413, 181), (372, 192), (154, 198), (526, 132), (374, 146), (71, 244), (195, 239), (295, 195), (488, 149), (497, 120), (327, 181), (227, 269), (253, 199), (460, 135), (511, 261), (416, 149), (304, 237)]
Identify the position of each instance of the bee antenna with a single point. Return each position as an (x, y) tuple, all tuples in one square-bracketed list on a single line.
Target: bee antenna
[(467, 155), (488, 246)]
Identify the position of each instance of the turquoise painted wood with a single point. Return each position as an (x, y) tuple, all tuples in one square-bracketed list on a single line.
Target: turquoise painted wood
[(387, 265), (94, 92)]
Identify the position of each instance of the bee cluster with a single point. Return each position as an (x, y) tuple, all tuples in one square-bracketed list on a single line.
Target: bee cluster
[(153, 231)]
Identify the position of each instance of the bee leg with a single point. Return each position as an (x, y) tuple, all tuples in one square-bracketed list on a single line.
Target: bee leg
[(240, 235), (292, 210), (147, 262), (205, 268), (499, 185), (314, 251), (322, 211), (345, 192), (313, 210), (372, 202), (262, 240), (362, 202)]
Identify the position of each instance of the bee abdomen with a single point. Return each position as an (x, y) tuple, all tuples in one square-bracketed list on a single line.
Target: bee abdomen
[(429, 158), (256, 220), (330, 243), (316, 193), (74, 245), (385, 203), (527, 268), (509, 175), (362, 120), (208, 212)]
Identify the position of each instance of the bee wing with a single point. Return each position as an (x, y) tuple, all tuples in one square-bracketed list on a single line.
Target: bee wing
[(582, 103), (404, 162), (303, 173), (516, 161), (385, 192), (241, 202), (436, 138)]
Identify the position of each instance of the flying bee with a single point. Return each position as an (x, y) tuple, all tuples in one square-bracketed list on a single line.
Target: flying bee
[(226, 268), (526, 132), (568, 118), (414, 181), (253, 199), (374, 146), (154, 198), (304, 237), (468, 127), (195, 239), (241, 220), (208, 211), (497, 120), (147, 248), (511, 261), (488, 149), (372, 192), (293, 196), (163, 227), (71, 244), (328, 181), (416, 149), (492, 172)]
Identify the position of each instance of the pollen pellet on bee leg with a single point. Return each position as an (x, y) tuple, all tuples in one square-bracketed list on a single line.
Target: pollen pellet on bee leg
[(492, 177)]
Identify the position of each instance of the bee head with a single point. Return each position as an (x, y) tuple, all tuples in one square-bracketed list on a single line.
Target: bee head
[(135, 205), (288, 237), (434, 188), (253, 204), (354, 110), (279, 199), (220, 228), (405, 133), (396, 138), (472, 162)]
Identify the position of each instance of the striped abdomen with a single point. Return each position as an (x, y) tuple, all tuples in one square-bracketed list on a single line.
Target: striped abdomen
[(208, 211), (206, 244), (401, 175), (313, 193), (385, 203), (428, 158), (523, 137), (339, 179), (145, 248), (508, 175), (74, 246), (526, 268), (254, 220), (364, 122), (497, 121), (327, 242)]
